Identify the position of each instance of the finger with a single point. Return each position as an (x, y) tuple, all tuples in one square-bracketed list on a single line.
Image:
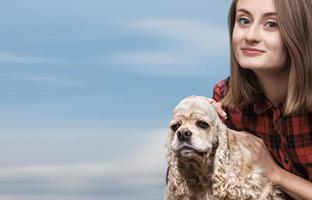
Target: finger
[(245, 140), (254, 137), (218, 107), (247, 144), (248, 137), (253, 144)]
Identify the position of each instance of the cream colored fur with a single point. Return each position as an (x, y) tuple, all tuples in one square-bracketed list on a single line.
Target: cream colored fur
[(212, 164)]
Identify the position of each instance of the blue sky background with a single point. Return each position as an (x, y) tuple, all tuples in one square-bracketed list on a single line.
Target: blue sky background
[(87, 89)]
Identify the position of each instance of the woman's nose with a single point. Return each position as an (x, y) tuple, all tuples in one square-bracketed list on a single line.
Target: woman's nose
[(253, 34)]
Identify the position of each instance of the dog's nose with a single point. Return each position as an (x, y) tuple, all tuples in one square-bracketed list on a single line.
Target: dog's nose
[(184, 135)]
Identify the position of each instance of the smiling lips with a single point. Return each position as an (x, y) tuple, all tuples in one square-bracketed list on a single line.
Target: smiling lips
[(248, 51)]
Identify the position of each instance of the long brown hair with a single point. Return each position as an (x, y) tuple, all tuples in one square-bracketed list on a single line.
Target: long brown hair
[(295, 23)]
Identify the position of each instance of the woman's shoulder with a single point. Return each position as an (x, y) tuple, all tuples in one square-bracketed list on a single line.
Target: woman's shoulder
[(220, 89)]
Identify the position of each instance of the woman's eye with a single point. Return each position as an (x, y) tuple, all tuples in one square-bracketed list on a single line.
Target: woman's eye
[(271, 25), (175, 127), (202, 124), (243, 21)]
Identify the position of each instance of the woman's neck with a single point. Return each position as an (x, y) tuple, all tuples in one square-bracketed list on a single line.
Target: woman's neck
[(274, 84)]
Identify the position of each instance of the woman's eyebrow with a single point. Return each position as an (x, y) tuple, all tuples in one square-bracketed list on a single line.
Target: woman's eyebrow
[(243, 10), (268, 14)]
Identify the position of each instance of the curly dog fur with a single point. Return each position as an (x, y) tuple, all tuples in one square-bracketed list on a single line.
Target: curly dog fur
[(206, 161)]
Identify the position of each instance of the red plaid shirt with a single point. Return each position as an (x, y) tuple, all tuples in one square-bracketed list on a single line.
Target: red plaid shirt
[(289, 139)]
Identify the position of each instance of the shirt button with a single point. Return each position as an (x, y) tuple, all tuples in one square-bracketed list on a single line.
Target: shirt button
[(286, 160)]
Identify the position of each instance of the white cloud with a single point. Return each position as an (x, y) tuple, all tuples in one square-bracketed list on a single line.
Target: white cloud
[(142, 166), (154, 62), (199, 35), (165, 63), (193, 48), (149, 57), (52, 80), (45, 197), (19, 58)]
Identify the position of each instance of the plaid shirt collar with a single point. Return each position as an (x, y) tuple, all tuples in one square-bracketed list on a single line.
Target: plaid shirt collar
[(263, 104)]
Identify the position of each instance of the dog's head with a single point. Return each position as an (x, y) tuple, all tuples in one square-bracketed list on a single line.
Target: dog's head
[(194, 128)]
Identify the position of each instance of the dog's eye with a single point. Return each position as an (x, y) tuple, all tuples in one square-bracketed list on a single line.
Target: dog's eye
[(175, 127), (202, 124)]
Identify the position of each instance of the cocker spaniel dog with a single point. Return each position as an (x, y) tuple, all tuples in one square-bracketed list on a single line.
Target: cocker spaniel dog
[(206, 161)]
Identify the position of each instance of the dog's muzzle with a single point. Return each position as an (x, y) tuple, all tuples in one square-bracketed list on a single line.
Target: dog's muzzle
[(184, 135)]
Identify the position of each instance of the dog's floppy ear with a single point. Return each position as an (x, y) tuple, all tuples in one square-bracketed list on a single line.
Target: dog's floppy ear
[(222, 131), (221, 162), (168, 140)]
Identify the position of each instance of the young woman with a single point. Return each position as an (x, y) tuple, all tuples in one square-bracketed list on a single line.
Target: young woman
[(268, 97)]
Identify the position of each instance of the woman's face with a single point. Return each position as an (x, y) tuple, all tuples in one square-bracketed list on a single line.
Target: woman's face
[(256, 38)]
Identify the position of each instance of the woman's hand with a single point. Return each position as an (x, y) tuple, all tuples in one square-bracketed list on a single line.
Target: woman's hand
[(260, 155), (217, 106), (293, 185)]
